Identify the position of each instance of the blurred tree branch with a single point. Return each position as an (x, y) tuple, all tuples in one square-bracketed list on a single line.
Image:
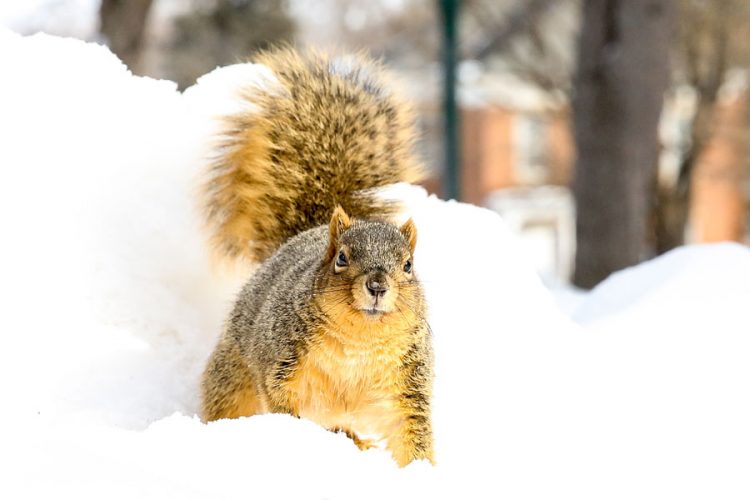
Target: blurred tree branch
[(519, 21), (531, 47), (123, 22), (713, 38), (219, 32)]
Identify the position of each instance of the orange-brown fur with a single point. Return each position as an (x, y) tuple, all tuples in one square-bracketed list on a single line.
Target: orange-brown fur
[(351, 380)]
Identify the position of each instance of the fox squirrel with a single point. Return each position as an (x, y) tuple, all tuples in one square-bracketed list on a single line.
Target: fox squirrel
[(332, 325)]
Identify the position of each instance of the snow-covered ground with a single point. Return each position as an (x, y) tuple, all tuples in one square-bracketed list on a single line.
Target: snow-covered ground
[(110, 306)]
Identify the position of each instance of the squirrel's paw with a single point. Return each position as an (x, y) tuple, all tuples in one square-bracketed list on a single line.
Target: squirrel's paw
[(362, 444)]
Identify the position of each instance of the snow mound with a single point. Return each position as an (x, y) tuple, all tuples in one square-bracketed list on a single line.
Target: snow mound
[(701, 277), (111, 307)]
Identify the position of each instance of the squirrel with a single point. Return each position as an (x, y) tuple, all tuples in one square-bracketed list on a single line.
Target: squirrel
[(332, 324)]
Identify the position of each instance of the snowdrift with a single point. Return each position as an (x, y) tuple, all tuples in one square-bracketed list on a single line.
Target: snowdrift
[(110, 307)]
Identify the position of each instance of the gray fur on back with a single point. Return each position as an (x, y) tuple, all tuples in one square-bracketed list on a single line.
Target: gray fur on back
[(267, 320)]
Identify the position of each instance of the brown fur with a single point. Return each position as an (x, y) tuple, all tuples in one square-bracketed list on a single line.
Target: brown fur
[(232, 389)]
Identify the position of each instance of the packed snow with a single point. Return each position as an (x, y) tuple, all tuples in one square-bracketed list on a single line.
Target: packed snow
[(111, 305)]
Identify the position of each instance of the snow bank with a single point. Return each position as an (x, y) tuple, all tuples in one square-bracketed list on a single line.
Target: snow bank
[(111, 306)]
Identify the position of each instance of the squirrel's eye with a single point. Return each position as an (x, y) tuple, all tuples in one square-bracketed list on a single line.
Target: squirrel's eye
[(341, 260), (407, 266)]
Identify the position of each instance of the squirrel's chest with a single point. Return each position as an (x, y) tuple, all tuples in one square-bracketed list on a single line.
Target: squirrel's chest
[(348, 385)]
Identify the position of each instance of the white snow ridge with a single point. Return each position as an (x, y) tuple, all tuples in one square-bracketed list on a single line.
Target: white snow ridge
[(109, 307)]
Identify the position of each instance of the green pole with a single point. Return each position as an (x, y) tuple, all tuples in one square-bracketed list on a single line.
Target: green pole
[(451, 189)]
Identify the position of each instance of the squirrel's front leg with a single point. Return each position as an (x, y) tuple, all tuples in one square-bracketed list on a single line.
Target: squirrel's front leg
[(412, 438)]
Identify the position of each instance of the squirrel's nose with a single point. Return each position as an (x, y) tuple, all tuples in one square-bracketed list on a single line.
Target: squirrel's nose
[(376, 288)]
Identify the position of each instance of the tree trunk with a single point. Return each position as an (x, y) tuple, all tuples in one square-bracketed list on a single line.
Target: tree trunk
[(123, 22), (622, 75), (670, 217)]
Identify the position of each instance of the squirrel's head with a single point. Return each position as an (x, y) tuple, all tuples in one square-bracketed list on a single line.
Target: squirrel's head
[(369, 267)]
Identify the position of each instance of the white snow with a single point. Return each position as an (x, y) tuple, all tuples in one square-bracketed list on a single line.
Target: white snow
[(110, 307), (77, 18)]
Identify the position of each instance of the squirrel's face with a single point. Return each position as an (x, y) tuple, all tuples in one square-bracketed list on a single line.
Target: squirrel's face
[(370, 267)]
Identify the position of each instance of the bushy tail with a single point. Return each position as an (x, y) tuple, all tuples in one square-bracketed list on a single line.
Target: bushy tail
[(325, 134)]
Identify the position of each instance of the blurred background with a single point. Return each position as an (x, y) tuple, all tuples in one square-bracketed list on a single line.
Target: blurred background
[(605, 132)]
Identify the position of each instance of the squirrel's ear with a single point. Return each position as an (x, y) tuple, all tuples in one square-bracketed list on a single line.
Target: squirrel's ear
[(340, 222), (409, 230)]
